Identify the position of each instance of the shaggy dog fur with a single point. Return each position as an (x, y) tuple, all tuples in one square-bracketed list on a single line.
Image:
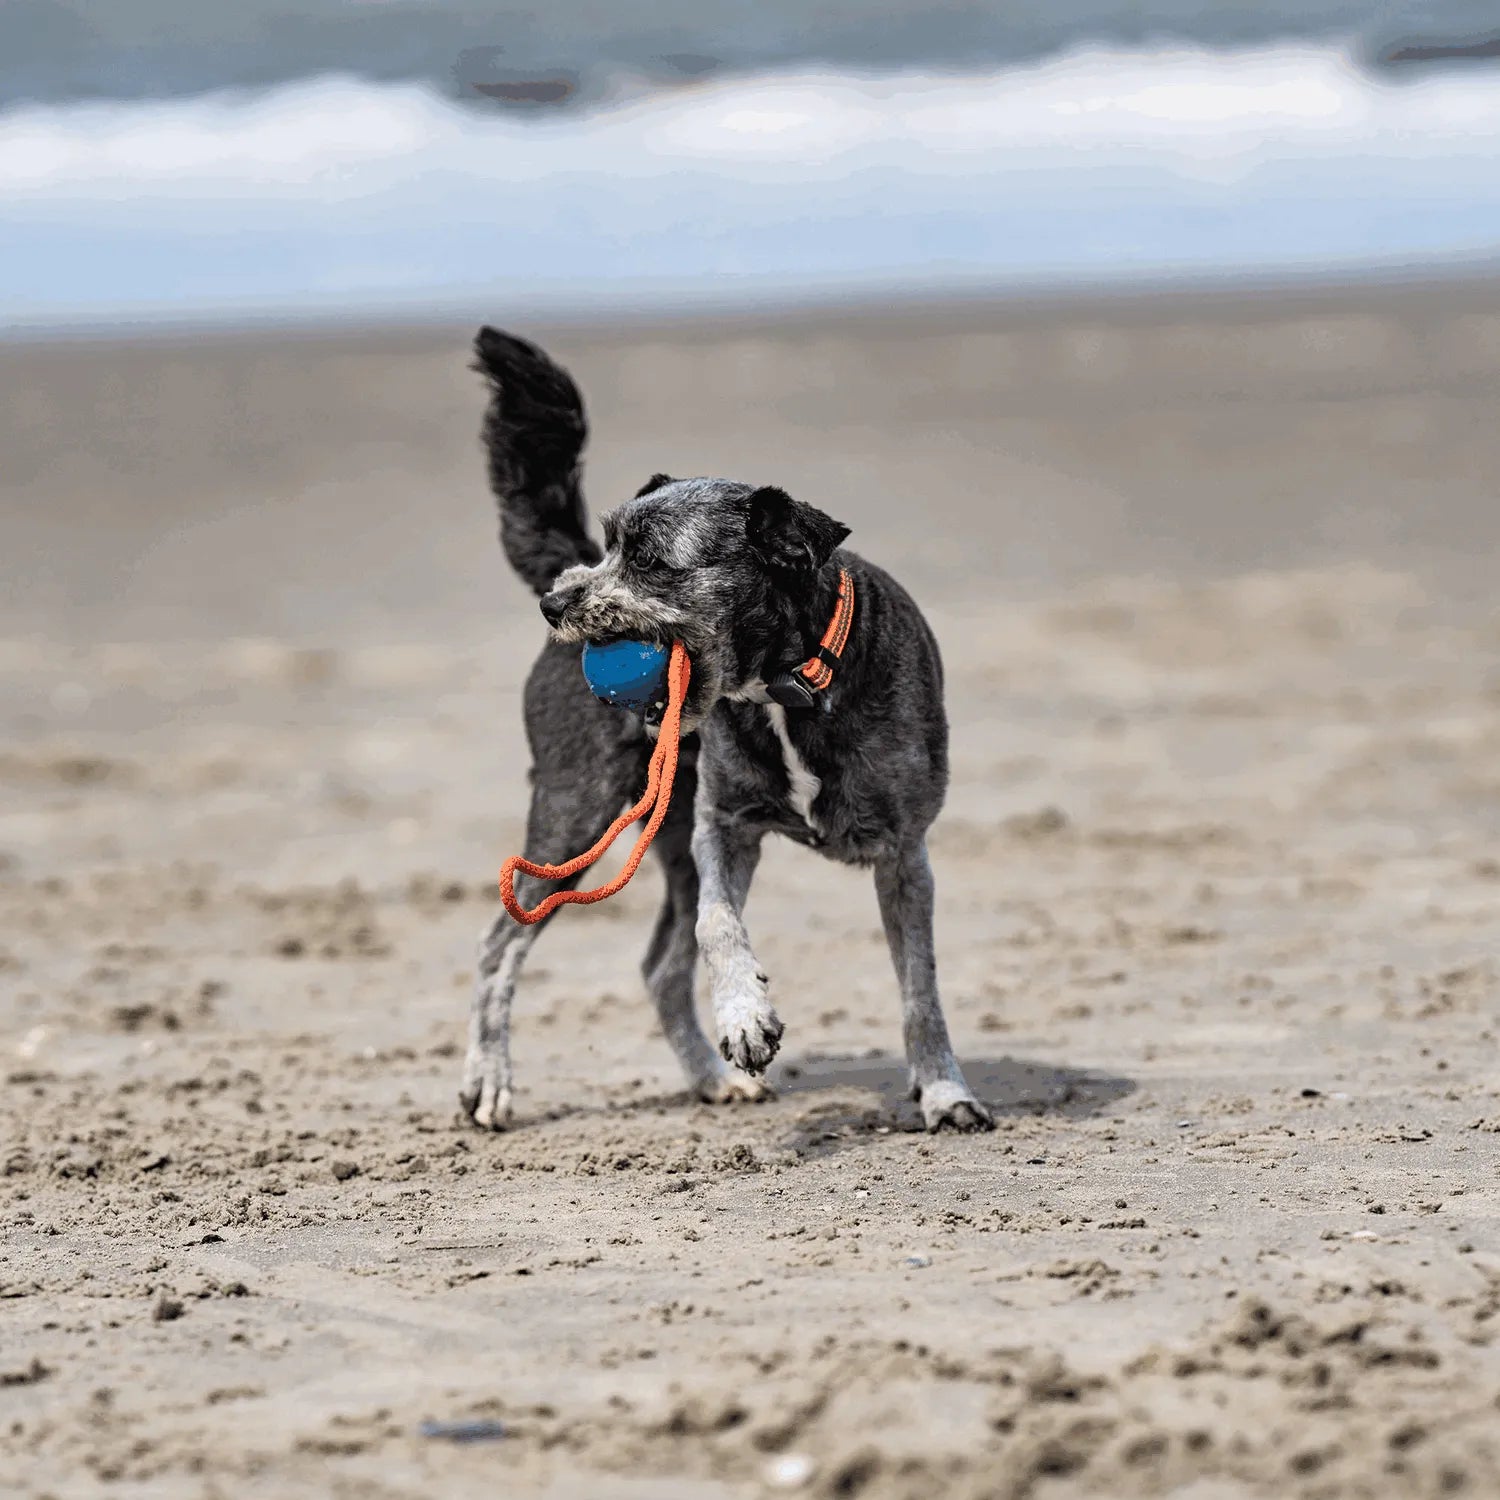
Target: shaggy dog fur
[(747, 578)]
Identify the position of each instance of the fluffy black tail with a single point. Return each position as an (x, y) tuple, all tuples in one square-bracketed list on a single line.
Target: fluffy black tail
[(534, 432)]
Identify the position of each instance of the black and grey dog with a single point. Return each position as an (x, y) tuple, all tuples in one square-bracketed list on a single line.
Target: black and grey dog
[(748, 579)]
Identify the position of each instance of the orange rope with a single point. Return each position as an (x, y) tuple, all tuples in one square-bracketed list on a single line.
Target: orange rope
[(656, 799)]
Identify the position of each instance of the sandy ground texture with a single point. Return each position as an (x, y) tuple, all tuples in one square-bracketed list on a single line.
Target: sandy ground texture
[(1219, 881)]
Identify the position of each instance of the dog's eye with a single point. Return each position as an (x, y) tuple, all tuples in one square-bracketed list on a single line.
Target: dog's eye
[(642, 558)]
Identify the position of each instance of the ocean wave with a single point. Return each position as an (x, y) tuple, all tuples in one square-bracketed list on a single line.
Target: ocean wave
[(493, 55), (572, 54), (1092, 166)]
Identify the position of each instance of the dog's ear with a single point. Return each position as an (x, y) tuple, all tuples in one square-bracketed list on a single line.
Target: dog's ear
[(788, 535), (655, 482)]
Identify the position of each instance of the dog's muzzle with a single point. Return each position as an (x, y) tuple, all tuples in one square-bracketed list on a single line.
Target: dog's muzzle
[(555, 605)]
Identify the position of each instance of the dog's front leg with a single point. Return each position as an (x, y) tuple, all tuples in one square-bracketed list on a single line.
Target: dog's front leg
[(904, 886), (726, 856)]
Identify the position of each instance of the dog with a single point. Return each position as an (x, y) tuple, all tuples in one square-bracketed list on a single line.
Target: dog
[(814, 710)]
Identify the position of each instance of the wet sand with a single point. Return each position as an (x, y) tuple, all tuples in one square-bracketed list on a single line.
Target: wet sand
[(1219, 878)]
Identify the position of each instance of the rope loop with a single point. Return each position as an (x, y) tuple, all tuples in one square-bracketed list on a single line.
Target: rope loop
[(657, 797)]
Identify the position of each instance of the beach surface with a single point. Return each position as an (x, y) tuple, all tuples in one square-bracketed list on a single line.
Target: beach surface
[(1219, 887)]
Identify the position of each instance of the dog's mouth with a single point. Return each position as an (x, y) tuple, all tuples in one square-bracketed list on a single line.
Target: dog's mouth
[(651, 714), (647, 637)]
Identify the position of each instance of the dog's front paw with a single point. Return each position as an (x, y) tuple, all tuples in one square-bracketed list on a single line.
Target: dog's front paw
[(733, 1087), (950, 1106), (483, 1098), (750, 1032)]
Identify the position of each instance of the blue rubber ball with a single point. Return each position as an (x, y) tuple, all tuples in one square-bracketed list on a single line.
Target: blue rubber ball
[(628, 674)]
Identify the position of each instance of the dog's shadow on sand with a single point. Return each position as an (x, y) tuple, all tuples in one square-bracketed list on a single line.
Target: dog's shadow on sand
[(1006, 1084)]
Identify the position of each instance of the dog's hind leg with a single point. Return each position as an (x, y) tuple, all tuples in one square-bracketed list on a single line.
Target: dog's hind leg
[(486, 1092), (672, 956), (726, 855), (564, 818), (904, 887)]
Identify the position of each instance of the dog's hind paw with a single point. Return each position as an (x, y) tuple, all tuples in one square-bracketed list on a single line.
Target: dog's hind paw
[(950, 1106), (485, 1101), (493, 1111), (734, 1087), (751, 1044)]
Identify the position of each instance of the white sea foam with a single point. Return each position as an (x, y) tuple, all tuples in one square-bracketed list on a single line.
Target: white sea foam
[(1094, 166)]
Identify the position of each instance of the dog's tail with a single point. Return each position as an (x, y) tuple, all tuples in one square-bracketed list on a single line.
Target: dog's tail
[(534, 433)]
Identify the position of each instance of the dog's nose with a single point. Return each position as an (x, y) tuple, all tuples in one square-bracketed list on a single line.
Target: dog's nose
[(554, 606)]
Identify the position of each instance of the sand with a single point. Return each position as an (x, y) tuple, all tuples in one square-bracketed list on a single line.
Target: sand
[(1218, 883)]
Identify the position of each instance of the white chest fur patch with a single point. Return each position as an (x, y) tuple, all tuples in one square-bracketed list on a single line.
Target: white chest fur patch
[(804, 786)]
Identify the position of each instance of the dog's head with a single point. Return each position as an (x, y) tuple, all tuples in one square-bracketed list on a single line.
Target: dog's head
[(726, 568)]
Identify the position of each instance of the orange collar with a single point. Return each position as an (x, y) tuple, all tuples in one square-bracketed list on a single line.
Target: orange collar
[(818, 668), (795, 687)]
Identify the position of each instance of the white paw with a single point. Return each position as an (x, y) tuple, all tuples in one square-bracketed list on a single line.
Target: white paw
[(951, 1106), (483, 1098), (493, 1111), (734, 1087), (749, 1030)]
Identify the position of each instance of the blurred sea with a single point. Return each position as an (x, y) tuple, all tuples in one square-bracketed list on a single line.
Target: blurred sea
[(163, 160)]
